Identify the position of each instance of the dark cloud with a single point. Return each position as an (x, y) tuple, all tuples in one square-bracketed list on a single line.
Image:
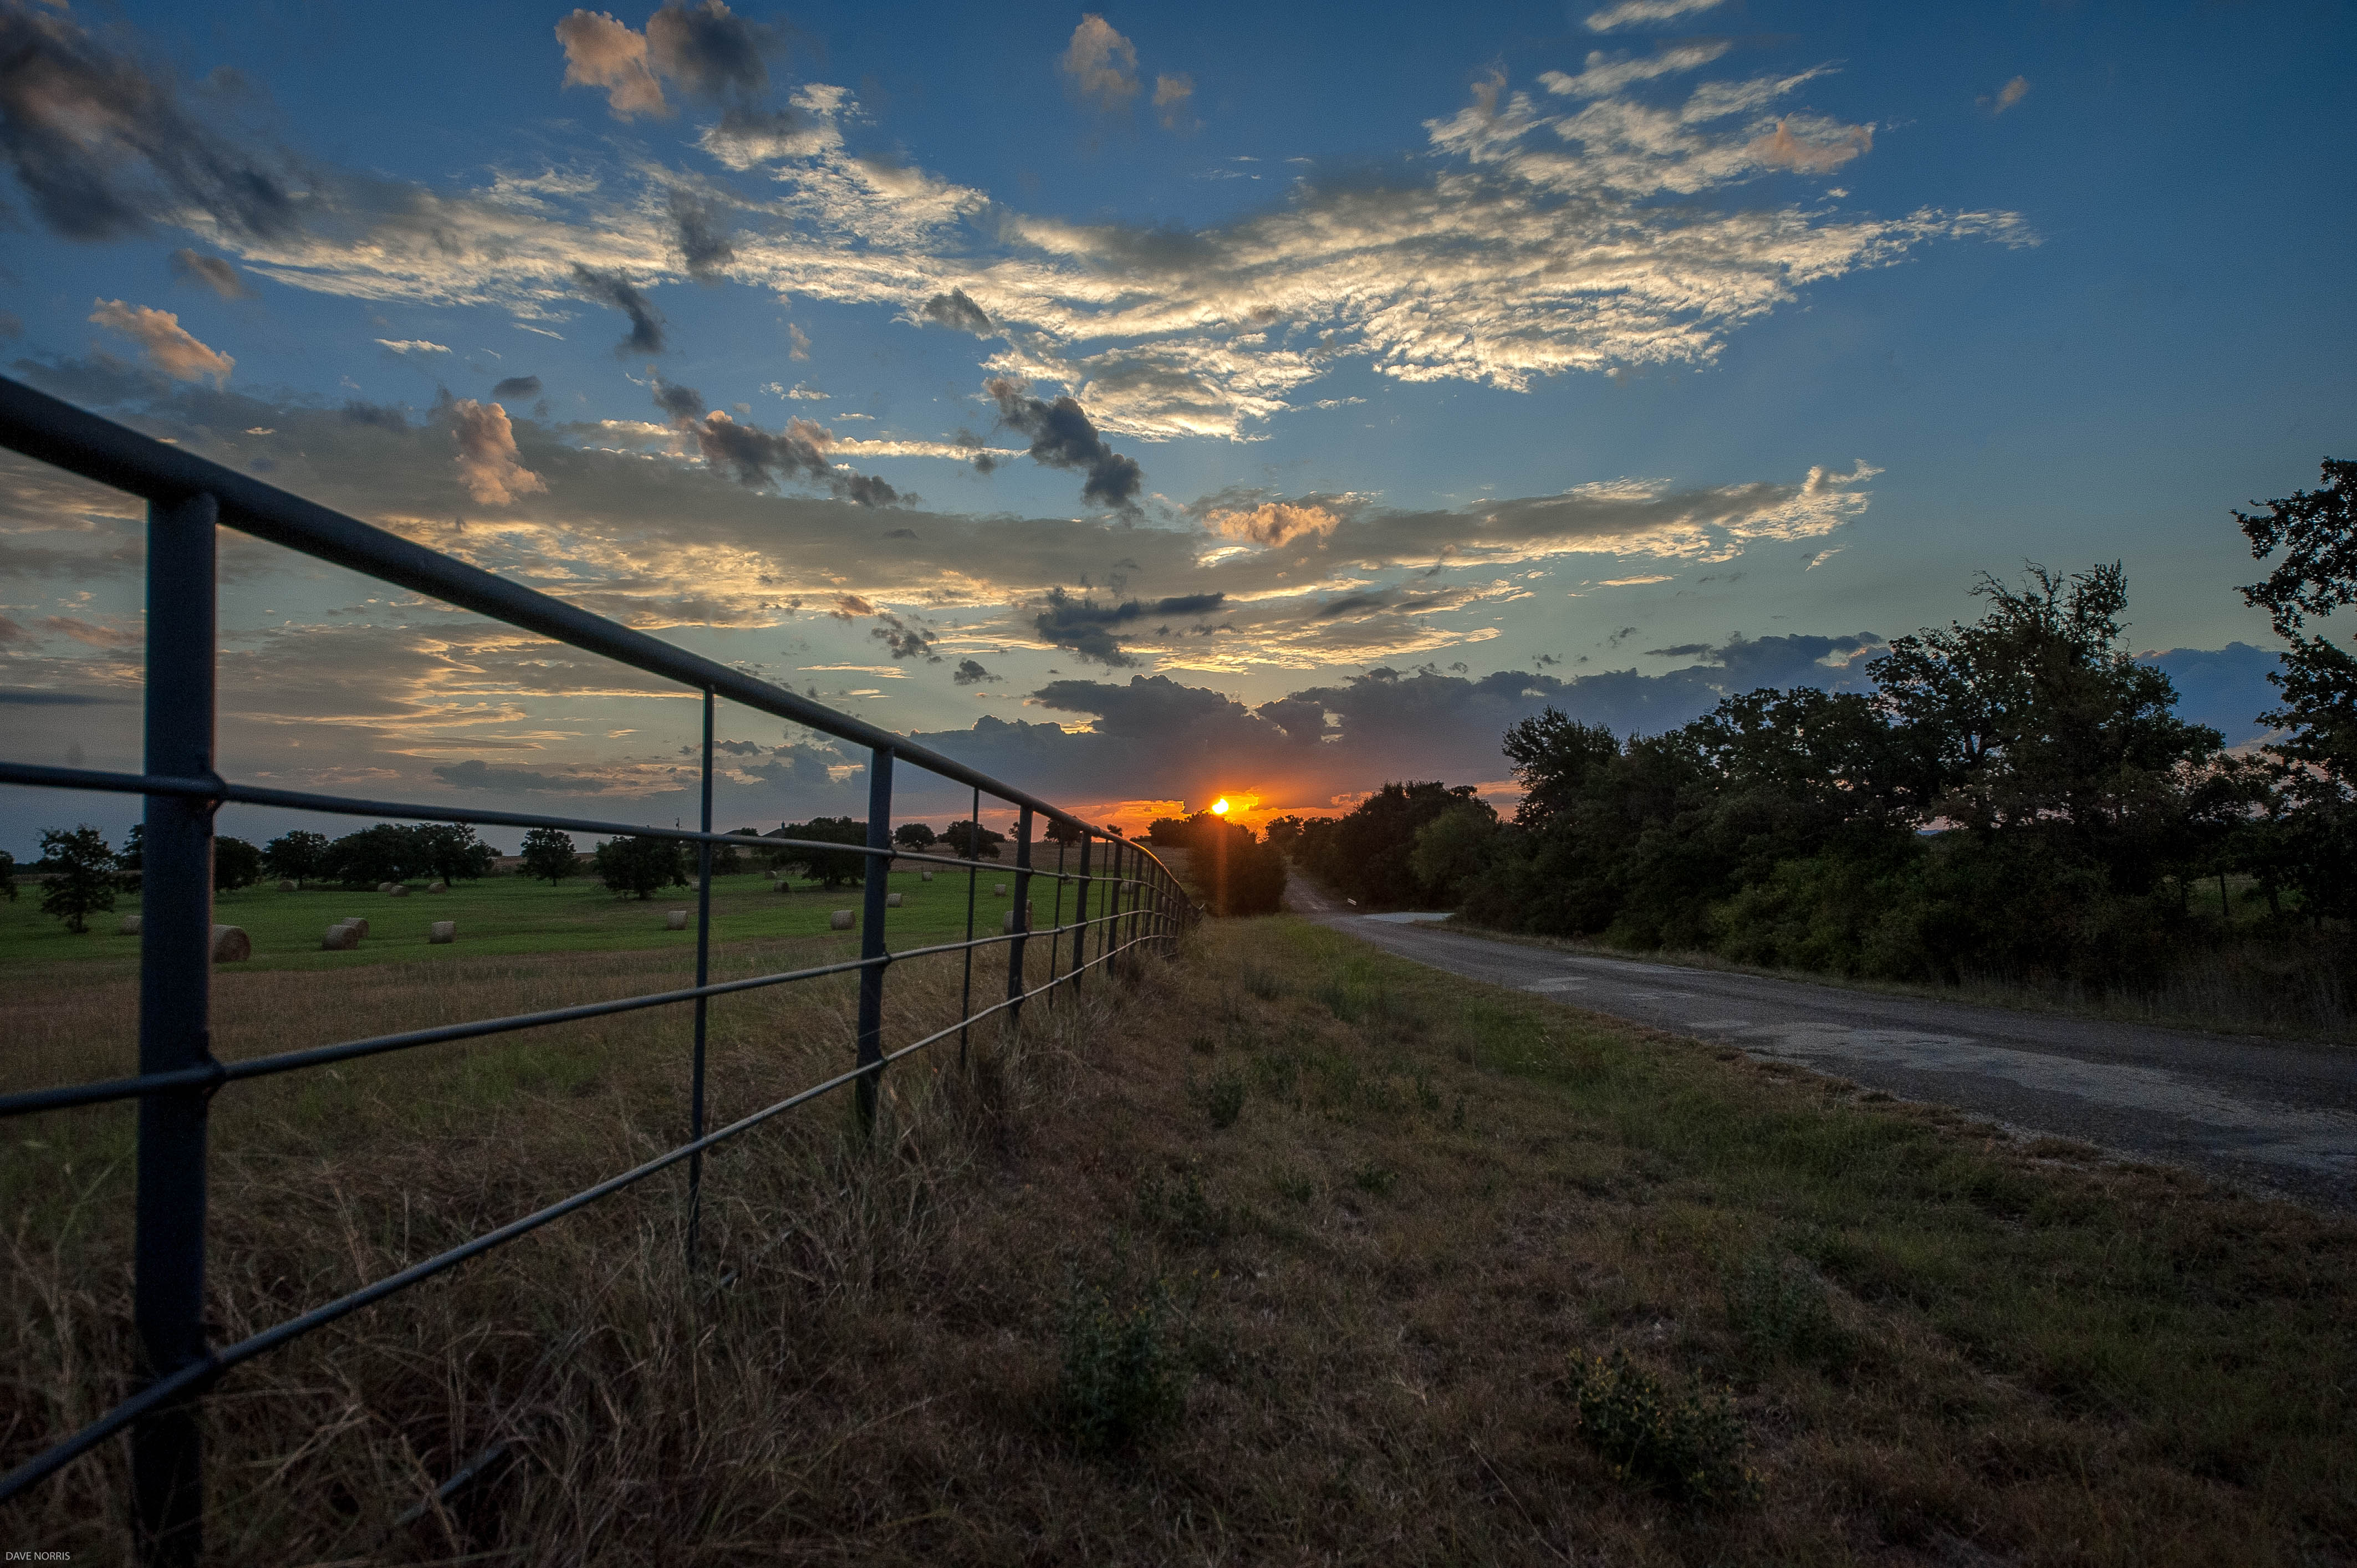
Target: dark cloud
[(480, 774), (1087, 627), (739, 747), (681, 405), (58, 700), (702, 235), (2225, 688), (611, 288), (970, 672), (382, 415), (1063, 437), (901, 534), (710, 52), (866, 489), (954, 309), (103, 148), (903, 641), (1682, 650), (211, 271), (518, 386)]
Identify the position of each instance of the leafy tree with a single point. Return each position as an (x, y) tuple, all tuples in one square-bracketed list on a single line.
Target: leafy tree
[(1452, 849), (830, 867), (7, 877), (549, 855), (81, 875), (918, 836), (964, 836), (1064, 832), (130, 860), (2315, 835), (236, 863), (1282, 832), (637, 866), (449, 852), (299, 856), (1366, 852)]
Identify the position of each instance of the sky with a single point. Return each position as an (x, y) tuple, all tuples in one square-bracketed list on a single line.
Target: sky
[(1148, 405)]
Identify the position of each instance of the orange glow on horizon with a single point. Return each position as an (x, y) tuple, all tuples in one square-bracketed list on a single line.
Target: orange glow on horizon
[(1220, 807)]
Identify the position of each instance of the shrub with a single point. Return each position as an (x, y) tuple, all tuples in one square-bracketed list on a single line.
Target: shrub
[(1121, 1379), (1690, 1446), (636, 866), (1223, 1099), (1779, 1308), (236, 863)]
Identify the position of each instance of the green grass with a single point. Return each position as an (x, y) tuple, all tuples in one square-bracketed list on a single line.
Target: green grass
[(511, 915)]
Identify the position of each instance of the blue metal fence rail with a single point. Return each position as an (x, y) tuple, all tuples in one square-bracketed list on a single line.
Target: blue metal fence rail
[(190, 499)]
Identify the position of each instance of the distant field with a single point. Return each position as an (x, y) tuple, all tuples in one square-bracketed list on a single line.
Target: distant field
[(514, 914)]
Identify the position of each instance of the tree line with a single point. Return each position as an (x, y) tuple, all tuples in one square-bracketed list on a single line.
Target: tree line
[(2013, 796)]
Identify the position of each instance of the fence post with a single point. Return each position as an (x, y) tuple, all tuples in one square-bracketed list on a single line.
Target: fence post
[(702, 977), (1022, 914), (872, 884), (176, 933), (973, 853), (1081, 916)]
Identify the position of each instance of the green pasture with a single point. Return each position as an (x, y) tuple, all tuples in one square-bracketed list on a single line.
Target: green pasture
[(513, 915)]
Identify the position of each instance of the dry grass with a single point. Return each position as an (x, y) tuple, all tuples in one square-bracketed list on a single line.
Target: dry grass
[(1368, 1285)]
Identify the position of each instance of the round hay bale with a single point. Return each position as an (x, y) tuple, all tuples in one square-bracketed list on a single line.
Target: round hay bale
[(998, 889), (784, 885), (231, 945), (358, 922), (396, 890), (129, 928), (286, 884), (926, 875), (343, 937), (891, 900), (1025, 912), (443, 933), (842, 920), (674, 919), (438, 887)]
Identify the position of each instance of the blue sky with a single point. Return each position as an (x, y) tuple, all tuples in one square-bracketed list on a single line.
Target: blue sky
[(1424, 370)]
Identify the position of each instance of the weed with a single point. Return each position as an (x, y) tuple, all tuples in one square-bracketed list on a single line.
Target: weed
[(1261, 980), (1690, 1447), (1294, 1187), (1778, 1306), (1222, 1098), (1122, 1380), (1277, 1073), (1373, 1178), (1181, 1210), (1203, 1046)]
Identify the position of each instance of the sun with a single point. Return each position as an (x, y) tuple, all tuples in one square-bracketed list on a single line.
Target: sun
[(1220, 807)]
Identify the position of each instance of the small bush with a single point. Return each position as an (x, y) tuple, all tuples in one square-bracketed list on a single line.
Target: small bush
[(1222, 1098), (1689, 1446), (1122, 1382), (1373, 1178), (1181, 1210), (1779, 1308)]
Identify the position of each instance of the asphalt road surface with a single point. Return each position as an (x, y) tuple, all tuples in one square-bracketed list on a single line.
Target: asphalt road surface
[(2260, 1114)]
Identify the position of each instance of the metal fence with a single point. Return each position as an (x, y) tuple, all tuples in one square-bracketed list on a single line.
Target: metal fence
[(1138, 907)]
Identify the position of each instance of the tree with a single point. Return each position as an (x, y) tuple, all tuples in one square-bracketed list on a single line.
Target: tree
[(371, 856), (7, 877), (2317, 760), (1282, 832), (129, 861), (81, 875), (832, 867), (299, 856), (1452, 848), (449, 852), (549, 855), (964, 836), (236, 863), (1063, 833), (917, 836), (637, 866)]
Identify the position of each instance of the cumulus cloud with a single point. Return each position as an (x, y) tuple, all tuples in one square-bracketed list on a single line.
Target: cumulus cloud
[(477, 774), (1174, 100), (167, 344), (1063, 437), (646, 334), (2005, 97), (970, 672), (488, 465), (1100, 66), (211, 271), (903, 641), (518, 387), (1272, 524), (954, 309), (1637, 13), (602, 51), (705, 49)]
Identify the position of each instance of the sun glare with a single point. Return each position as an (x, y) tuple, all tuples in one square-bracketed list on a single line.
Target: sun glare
[(1220, 807)]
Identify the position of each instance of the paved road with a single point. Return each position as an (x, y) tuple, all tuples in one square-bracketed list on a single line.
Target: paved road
[(2260, 1114)]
